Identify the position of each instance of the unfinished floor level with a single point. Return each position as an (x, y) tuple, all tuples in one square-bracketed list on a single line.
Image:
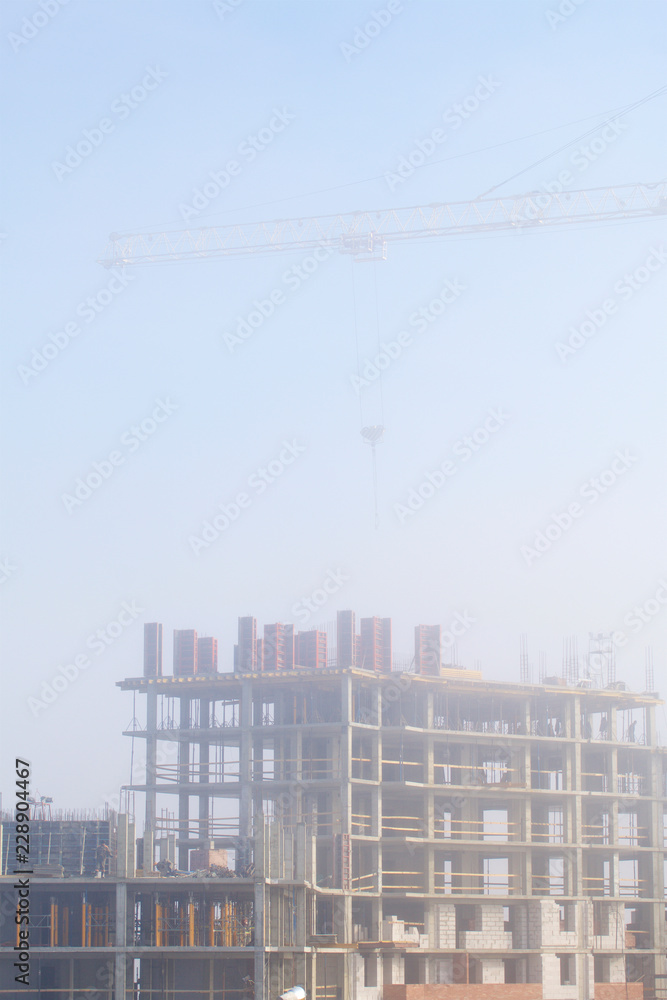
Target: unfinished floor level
[(388, 836), (460, 836)]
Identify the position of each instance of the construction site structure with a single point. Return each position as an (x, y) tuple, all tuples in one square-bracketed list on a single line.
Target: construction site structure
[(366, 235), (389, 835)]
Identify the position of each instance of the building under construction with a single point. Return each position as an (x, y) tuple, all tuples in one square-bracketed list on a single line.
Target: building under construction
[(367, 832)]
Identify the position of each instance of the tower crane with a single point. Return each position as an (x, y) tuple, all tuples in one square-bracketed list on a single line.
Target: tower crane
[(366, 235)]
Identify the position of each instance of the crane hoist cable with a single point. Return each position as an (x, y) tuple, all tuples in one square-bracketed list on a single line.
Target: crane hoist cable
[(372, 434)]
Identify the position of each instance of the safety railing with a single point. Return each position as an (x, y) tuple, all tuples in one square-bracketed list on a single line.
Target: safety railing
[(596, 885), (215, 772), (594, 781), (595, 833), (403, 881), (362, 825), (402, 826), (632, 784), (477, 884), (403, 770), (364, 883), (548, 833), (488, 774), (488, 830), (548, 884), (551, 781)]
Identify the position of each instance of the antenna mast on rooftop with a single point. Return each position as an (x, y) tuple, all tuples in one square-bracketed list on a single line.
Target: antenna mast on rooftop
[(601, 659)]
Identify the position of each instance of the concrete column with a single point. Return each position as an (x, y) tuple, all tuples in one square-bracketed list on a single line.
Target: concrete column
[(429, 859), (121, 941), (183, 780), (612, 761), (575, 719), (573, 816), (125, 848), (375, 930), (345, 756), (376, 711), (204, 771), (615, 874), (656, 835), (429, 814), (261, 992), (151, 755), (346, 699), (526, 828), (428, 721), (526, 720), (245, 759), (524, 753), (428, 763)]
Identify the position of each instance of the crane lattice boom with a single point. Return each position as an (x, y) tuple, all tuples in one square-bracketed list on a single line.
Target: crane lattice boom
[(366, 234)]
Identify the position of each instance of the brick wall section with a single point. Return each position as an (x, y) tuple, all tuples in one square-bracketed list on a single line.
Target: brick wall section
[(503, 991), (475, 991), (618, 991)]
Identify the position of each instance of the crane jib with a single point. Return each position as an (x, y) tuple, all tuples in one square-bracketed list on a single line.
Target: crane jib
[(366, 235)]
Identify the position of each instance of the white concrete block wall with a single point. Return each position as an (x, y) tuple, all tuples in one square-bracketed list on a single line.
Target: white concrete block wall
[(617, 969), (534, 968), (493, 970), (544, 926), (615, 938), (484, 941), (550, 973), (357, 978), (520, 935), (393, 972), (398, 931), (490, 918), (489, 933), (551, 987), (588, 974), (357, 974), (441, 970), (446, 926)]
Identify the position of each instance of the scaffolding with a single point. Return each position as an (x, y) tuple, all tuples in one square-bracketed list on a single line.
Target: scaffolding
[(387, 836)]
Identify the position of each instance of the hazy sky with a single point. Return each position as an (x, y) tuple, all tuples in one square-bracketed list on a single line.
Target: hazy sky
[(123, 114)]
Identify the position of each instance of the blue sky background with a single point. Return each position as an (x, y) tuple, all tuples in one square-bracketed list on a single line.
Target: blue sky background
[(227, 69)]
